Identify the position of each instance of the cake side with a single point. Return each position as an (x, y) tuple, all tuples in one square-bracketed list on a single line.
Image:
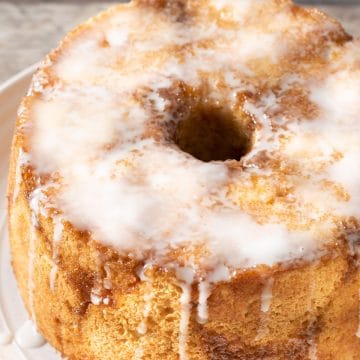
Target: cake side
[(93, 313)]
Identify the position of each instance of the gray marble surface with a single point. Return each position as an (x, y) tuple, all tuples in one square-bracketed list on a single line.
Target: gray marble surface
[(29, 29)]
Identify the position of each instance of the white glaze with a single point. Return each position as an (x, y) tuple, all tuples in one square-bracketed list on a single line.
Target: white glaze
[(358, 329), (31, 260), (311, 337), (106, 301), (313, 350), (148, 296), (58, 230), (239, 6), (52, 277), (23, 159), (27, 336), (142, 328), (220, 273), (132, 178), (139, 353), (185, 302), (202, 309), (95, 298), (266, 295), (265, 303), (186, 277), (5, 337), (339, 100), (107, 279), (36, 200), (96, 295)]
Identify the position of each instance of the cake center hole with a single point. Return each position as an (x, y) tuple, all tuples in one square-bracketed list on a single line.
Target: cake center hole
[(213, 133)]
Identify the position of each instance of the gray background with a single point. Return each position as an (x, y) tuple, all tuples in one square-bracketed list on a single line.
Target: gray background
[(29, 29)]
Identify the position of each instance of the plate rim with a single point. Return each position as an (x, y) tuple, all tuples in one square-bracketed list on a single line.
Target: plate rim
[(4, 86)]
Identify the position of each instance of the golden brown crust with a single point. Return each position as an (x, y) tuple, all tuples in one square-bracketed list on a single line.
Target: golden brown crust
[(312, 303)]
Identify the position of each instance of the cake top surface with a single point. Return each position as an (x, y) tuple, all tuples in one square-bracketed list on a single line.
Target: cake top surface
[(217, 133)]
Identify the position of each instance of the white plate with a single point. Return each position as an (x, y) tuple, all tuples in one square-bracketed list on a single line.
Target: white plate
[(12, 311)]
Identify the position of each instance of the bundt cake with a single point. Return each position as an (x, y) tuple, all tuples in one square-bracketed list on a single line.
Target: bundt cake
[(185, 184)]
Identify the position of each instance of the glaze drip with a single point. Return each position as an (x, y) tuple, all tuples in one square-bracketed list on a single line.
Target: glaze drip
[(148, 296), (358, 329), (266, 295), (5, 338), (58, 230), (313, 351), (23, 159), (27, 336), (266, 298), (185, 302), (310, 331), (31, 259), (202, 310)]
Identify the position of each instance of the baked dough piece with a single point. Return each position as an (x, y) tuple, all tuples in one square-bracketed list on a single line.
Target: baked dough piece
[(184, 185)]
